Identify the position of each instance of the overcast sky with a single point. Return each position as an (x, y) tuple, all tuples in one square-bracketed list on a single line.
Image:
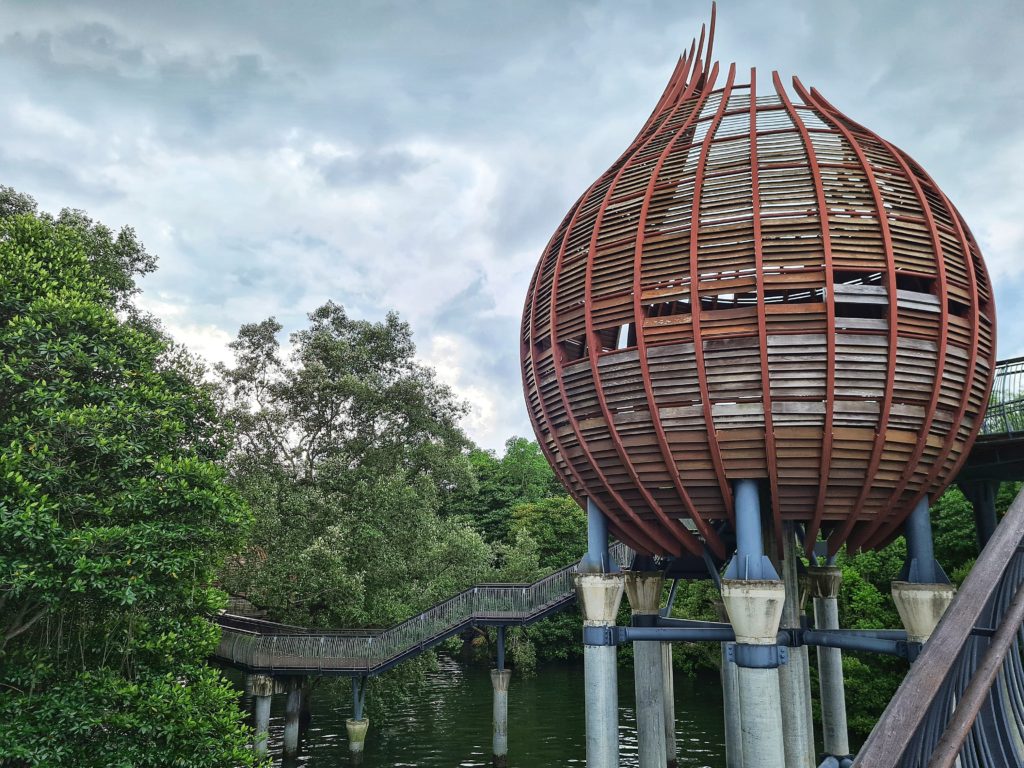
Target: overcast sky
[(418, 156)]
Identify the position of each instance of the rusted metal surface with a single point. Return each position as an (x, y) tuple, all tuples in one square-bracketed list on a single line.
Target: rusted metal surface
[(758, 288), (964, 696)]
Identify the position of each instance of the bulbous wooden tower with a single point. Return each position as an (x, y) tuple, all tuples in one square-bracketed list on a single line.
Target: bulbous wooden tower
[(759, 287)]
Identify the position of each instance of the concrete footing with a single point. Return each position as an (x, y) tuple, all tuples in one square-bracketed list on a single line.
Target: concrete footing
[(499, 744), (357, 736), (921, 606), (262, 687), (824, 582), (600, 595), (644, 592)]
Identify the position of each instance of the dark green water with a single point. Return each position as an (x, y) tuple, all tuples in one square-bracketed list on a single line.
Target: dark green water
[(451, 724)]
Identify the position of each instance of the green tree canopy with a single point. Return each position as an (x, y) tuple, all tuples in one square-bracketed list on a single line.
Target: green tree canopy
[(113, 516), (345, 450)]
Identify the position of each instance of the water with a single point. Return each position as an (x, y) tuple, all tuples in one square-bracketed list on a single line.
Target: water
[(450, 725)]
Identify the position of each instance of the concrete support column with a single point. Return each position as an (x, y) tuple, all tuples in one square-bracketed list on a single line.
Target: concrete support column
[(794, 677), (824, 583), (753, 596), (292, 716), (644, 592), (499, 683), (731, 703), (600, 595), (924, 592), (262, 687), (669, 694), (358, 724), (500, 678)]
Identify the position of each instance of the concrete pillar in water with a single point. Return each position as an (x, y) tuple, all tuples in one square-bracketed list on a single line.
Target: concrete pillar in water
[(753, 596), (357, 737), (599, 591), (794, 677), (669, 693), (644, 592), (730, 701), (499, 683), (824, 583), (292, 715), (600, 595), (358, 724), (262, 687), (923, 592)]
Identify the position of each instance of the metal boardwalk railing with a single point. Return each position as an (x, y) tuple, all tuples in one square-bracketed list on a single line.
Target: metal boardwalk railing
[(270, 648), (962, 703), (1005, 415)]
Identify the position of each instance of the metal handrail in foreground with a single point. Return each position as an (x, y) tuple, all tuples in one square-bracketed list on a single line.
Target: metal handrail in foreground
[(962, 703), (263, 646)]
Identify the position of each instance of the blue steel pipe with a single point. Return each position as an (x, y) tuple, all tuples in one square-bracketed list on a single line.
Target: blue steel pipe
[(891, 642), (920, 547), (749, 542), (749, 561), (597, 559), (501, 649)]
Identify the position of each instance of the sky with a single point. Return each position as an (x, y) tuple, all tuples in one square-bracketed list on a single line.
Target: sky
[(417, 156)]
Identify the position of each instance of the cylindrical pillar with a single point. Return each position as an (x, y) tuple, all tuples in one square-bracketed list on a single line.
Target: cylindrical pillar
[(644, 592), (292, 715), (731, 703), (794, 677), (760, 714), (982, 496), (669, 695), (754, 597), (824, 583), (262, 689), (499, 683), (600, 595), (357, 737)]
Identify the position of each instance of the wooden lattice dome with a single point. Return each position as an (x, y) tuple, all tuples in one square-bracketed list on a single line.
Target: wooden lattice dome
[(759, 287)]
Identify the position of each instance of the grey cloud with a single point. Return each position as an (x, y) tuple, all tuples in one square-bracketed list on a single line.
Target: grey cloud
[(371, 167)]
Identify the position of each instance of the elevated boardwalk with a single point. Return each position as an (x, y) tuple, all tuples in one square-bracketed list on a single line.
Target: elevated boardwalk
[(279, 649)]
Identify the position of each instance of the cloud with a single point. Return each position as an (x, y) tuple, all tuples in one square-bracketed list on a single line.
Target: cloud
[(418, 158)]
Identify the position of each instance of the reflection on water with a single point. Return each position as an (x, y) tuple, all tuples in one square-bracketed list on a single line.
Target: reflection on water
[(450, 724)]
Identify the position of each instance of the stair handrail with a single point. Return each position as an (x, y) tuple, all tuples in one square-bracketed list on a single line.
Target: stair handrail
[(938, 713), (269, 645)]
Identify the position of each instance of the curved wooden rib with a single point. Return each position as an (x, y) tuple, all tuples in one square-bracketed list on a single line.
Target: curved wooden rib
[(712, 538), (684, 537), (698, 346), (814, 524), (891, 290), (762, 316)]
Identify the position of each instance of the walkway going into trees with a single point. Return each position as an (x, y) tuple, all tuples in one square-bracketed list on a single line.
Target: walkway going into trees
[(280, 649)]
